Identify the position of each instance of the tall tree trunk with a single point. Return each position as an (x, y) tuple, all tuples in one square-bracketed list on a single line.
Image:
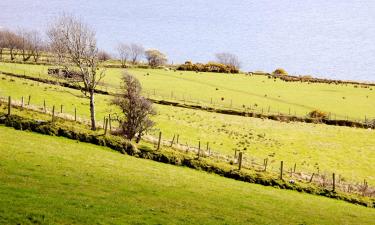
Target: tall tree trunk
[(92, 110), (1, 54)]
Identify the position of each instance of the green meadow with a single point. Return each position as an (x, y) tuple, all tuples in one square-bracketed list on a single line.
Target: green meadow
[(52, 180), (238, 91), (346, 151)]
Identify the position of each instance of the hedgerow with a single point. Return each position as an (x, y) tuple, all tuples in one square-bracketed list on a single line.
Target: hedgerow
[(175, 158)]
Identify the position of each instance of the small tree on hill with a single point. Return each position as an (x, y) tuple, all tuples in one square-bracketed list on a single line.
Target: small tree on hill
[(136, 109), (74, 45), (124, 53), (136, 51), (155, 58)]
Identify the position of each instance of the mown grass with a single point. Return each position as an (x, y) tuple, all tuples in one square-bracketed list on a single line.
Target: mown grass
[(51, 180), (349, 152), (239, 91)]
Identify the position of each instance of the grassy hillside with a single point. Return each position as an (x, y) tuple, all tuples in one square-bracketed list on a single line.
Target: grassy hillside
[(349, 152), (225, 90), (50, 180)]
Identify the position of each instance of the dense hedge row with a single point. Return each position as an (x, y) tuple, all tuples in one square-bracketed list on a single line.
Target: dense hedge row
[(310, 79), (209, 67), (176, 158)]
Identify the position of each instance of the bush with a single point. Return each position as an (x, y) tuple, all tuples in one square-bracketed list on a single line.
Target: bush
[(209, 67), (317, 114), (280, 71)]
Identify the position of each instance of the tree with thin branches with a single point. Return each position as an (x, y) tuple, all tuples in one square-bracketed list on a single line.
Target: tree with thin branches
[(228, 59), (74, 46), (124, 53), (136, 51)]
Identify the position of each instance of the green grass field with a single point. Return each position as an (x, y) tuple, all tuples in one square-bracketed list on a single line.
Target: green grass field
[(51, 180), (256, 92), (346, 151)]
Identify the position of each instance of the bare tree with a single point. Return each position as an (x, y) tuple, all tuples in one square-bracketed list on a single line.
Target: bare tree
[(37, 44), (2, 44), (136, 109), (13, 42), (124, 53), (25, 45), (74, 45), (104, 56), (155, 58), (136, 51), (228, 59)]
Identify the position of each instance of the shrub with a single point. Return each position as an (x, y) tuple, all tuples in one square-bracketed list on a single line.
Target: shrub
[(317, 114), (280, 71), (209, 67)]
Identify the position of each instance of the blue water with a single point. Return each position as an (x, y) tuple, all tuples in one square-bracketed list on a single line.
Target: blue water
[(334, 39)]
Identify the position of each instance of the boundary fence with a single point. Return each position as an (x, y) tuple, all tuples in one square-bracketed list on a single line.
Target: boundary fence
[(202, 149)]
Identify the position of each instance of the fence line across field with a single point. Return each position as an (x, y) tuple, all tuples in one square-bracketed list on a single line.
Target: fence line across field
[(239, 159), (265, 110), (219, 103)]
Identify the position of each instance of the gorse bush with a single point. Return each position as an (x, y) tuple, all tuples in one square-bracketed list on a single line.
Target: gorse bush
[(209, 67), (280, 71), (317, 114)]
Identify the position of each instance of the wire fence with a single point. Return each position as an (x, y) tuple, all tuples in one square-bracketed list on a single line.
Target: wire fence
[(214, 102), (293, 172)]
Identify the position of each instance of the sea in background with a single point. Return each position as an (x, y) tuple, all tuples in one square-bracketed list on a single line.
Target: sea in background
[(331, 39)]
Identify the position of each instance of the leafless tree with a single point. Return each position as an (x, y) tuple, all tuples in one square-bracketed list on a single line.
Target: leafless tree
[(25, 44), (228, 59), (13, 42), (155, 58), (104, 56), (74, 45), (37, 45), (2, 43), (136, 51), (124, 53), (136, 109)]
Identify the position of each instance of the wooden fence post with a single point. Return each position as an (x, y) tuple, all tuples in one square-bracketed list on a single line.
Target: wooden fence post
[(173, 140), (44, 106), (22, 102), (239, 160), (178, 137), (265, 163), (9, 105), (159, 141), (295, 165), (61, 108), (106, 126), (333, 182), (311, 178), (281, 169), (75, 113), (109, 122), (28, 102), (53, 114), (199, 149)]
